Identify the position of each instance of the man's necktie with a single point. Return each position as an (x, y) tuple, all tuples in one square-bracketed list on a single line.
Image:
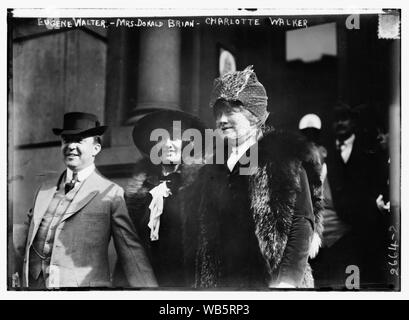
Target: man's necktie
[(70, 185)]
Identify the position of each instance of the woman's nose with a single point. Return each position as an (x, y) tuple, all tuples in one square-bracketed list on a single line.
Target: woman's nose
[(168, 143), (222, 118)]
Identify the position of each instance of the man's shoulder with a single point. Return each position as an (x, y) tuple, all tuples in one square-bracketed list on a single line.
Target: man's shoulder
[(49, 179), (104, 181)]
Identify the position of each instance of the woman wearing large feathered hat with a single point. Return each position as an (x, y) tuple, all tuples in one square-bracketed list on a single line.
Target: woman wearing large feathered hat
[(253, 216)]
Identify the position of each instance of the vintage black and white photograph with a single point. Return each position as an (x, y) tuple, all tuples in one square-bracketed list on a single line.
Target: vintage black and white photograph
[(224, 150)]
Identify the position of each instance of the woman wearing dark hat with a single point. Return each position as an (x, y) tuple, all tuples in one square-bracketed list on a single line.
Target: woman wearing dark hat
[(253, 228), (155, 194)]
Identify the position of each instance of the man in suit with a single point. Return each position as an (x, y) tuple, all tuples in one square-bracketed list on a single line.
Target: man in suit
[(73, 219), (353, 228)]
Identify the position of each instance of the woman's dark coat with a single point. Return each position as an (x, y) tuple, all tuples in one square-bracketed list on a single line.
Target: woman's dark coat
[(240, 229), (166, 254)]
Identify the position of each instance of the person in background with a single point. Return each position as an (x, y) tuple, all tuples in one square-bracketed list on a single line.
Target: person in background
[(353, 231), (382, 138), (310, 127)]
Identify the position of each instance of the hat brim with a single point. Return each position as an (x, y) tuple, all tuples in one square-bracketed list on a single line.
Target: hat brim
[(162, 119), (97, 131)]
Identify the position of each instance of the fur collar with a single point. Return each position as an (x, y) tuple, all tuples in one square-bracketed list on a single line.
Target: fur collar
[(292, 149), (273, 188)]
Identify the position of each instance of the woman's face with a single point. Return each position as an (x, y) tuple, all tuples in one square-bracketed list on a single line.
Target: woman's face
[(232, 124), (171, 150)]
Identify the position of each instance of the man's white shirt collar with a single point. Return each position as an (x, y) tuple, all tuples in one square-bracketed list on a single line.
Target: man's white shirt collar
[(82, 174), (348, 142), (346, 147)]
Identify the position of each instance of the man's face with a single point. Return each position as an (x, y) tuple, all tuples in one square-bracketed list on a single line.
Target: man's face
[(78, 152), (232, 124), (383, 139), (344, 127)]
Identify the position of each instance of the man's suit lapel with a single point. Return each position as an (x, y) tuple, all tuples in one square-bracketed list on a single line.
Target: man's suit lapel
[(84, 195), (43, 199)]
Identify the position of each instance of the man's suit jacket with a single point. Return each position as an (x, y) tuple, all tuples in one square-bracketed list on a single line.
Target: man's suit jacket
[(354, 189), (355, 185), (80, 250)]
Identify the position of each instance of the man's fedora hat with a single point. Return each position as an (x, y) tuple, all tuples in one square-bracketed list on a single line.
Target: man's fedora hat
[(80, 123), (162, 119)]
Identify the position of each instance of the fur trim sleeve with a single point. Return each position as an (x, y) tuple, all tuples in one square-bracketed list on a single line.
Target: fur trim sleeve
[(288, 146), (136, 192)]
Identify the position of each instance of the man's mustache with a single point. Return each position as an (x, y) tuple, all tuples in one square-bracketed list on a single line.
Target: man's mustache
[(340, 127)]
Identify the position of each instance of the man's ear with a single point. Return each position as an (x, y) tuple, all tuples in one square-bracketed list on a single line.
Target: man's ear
[(97, 149)]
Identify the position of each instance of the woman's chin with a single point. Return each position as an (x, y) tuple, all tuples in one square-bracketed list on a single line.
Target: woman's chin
[(229, 135), (171, 160)]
